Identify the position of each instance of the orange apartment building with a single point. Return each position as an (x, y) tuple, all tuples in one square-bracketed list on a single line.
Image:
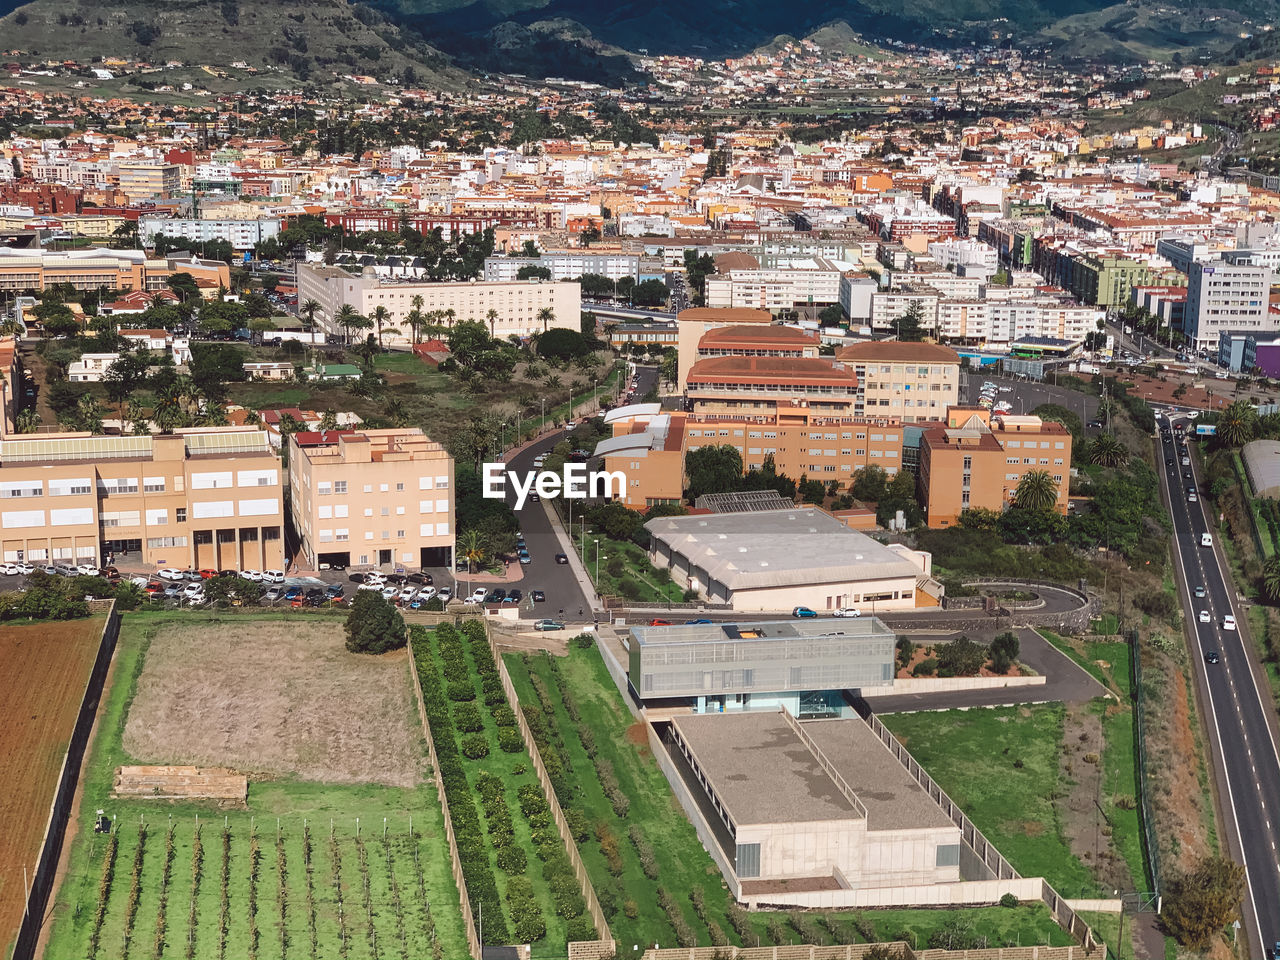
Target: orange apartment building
[(914, 382), (200, 498), (372, 498), (98, 268), (976, 460), (693, 324), (647, 447)]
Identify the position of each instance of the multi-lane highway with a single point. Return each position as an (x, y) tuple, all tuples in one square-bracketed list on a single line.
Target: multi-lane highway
[(1238, 712)]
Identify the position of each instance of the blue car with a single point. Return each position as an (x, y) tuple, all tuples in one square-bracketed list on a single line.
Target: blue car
[(803, 613), (691, 622), (293, 593)]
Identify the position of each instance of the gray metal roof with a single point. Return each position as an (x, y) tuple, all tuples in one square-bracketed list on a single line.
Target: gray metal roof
[(757, 630), (633, 410), (1262, 464), (626, 443), (744, 501), (778, 548)]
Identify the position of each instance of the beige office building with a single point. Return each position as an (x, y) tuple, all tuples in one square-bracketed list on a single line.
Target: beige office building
[(517, 303), (379, 498), (201, 498), (693, 323), (912, 382)]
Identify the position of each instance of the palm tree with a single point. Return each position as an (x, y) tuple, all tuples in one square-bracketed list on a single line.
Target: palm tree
[(546, 316), (492, 317), (345, 317), (1107, 451), (1237, 424), (473, 547), (28, 420), (1036, 491), (1271, 578), (449, 316), (308, 310), (381, 315)]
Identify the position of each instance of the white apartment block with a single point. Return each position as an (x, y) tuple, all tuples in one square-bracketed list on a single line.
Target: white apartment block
[(516, 303), (566, 266), (773, 290), (241, 234), (888, 305), (1225, 296), (1000, 323), (947, 284)]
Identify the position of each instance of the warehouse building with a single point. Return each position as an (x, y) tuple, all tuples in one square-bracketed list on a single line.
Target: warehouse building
[(780, 559), (840, 812)]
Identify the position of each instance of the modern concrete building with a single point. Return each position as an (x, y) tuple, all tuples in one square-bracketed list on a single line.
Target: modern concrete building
[(977, 460), (803, 665), (780, 559), (566, 266), (93, 268), (200, 498), (912, 381), (803, 807), (379, 498), (518, 304), (691, 324), (1222, 296), (149, 180), (241, 234)]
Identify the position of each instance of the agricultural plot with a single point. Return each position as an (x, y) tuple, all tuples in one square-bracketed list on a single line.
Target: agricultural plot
[(513, 859), (43, 671), (309, 869), (655, 882)]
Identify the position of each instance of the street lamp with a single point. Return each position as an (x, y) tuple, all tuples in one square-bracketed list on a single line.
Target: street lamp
[(543, 427), (597, 542)]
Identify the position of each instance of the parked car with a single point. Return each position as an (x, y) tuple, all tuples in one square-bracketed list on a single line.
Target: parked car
[(273, 576), (274, 593), (193, 590), (334, 590), (496, 595), (514, 596), (699, 621), (88, 570), (538, 596), (548, 625), (356, 578), (803, 613), (846, 612), (421, 578), (208, 574), (525, 558), (479, 593), (659, 623), (389, 592), (253, 575), (445, 594), (24, 568), (408, 593), (168, 573), (425, 594), (9, 569)]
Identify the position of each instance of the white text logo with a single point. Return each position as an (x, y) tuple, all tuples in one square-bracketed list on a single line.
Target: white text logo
[(576, 483)]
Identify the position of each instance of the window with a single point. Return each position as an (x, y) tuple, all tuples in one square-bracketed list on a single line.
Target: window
[(399, 487), (339, 486), (151, 485), (748, 864), (948, 855), (180, 514)]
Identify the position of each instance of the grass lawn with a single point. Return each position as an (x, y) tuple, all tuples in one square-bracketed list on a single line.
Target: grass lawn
[(625, 571), (411, 900), (682, 863), (1001, 767)]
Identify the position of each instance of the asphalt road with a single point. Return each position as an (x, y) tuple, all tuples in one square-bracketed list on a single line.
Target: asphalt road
[(543, 573), (1026, 395), (1235, 695)]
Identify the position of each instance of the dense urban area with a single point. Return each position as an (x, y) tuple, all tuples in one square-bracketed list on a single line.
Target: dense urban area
[(506, 491)]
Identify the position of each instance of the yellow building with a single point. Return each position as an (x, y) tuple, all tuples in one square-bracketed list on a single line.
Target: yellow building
[(94, 268), (372, 498), (200, 498), (913, 382)]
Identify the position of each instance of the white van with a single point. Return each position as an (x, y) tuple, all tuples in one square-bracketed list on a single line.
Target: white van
[(1206, 539)]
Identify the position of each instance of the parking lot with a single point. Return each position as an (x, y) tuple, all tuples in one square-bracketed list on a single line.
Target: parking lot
[(1023, 396)]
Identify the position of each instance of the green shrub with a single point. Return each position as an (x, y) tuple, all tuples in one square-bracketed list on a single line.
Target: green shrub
[(509, 740), (474, 747), (1008, 900), (461, 691), (503, 715), (512, 860), (466, 717), (925, 668)]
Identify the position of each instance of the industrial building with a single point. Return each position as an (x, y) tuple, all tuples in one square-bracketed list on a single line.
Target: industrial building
[(815, 806), (780, 559)]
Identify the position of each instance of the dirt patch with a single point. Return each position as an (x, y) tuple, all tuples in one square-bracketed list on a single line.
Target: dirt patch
[(638, 735), (1178, 799), (275, 699), (1032, 828), (1079, 806), (529, 640), (43, 672), (924, 652)]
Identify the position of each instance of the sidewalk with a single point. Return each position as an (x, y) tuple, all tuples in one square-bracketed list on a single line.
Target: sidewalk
[(575, 564)]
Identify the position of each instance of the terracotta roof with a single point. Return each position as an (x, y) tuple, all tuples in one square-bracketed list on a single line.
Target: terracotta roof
[(896, 351), (758, 337), (771, 369), (725, 315)]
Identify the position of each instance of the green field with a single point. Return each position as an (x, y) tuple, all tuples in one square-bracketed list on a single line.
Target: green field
[(397, 896), (1001, 767), (679, 862)]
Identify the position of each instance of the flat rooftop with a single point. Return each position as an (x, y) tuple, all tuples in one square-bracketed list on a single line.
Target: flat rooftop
[(763, 772)]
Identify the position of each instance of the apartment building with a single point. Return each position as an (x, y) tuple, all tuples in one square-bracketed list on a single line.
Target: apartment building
[(887, 306), (93, 268), (379, 498), (1223, 296), (910, 381), (241, 234), (777, 289), (149, 180), (518, 304), (200, 498), (566, 266), (976, 460)]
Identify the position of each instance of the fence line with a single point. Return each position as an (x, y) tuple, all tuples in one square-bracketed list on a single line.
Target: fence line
[(570, 845), (1067, 918), (42, 882), (468, 919), (1140, 746)]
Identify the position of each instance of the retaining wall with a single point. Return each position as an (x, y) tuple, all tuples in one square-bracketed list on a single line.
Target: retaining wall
[(966, 893), (42, 882), (949, 685)]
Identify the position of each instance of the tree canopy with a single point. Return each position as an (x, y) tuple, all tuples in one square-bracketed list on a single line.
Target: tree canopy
[(373, 625)]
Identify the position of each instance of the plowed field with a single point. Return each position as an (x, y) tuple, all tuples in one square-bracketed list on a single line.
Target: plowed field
[(43, 671)]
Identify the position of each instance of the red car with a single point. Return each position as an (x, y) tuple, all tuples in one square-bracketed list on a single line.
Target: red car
[(659, 623), (208, 574)]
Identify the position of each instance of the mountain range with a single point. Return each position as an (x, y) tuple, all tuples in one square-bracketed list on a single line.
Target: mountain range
[(586, 39)]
